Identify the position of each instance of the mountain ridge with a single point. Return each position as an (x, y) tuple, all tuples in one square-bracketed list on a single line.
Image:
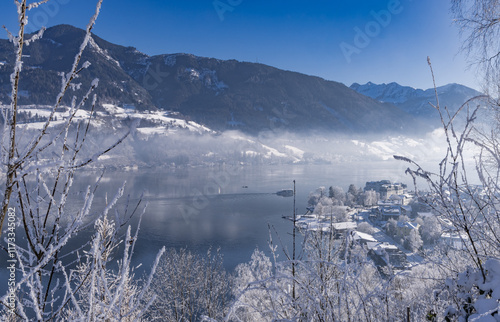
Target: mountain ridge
[(220, 94), (418, 101)]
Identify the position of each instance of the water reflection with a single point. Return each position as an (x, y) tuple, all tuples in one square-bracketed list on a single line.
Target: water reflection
[(230, 208)]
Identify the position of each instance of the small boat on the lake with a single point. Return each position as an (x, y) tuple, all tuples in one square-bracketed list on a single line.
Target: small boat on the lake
[(285, 193)]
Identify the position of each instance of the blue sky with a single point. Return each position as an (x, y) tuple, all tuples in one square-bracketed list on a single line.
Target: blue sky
[(346, 41)]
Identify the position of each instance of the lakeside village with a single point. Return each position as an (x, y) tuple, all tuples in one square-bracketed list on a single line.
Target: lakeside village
[(394, 225)]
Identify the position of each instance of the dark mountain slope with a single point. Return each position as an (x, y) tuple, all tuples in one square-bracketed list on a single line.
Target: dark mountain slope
[(220, 94), (53, 54)]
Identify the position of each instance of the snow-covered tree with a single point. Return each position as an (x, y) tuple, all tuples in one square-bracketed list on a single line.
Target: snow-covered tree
[(365, 227), (392, 229), (369, 198), (338, 195), (328, 209), (479, 22), (40, 173), (413, 241), (430, 230), (259, 294), (315, 196), (476, 297), (353, 190)]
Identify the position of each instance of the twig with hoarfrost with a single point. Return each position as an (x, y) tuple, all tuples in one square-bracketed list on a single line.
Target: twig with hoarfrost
[(15, 162), (472, 209), (41, 176)]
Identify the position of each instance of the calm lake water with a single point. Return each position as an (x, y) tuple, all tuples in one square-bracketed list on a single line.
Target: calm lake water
[(231, 208), (222, 207)]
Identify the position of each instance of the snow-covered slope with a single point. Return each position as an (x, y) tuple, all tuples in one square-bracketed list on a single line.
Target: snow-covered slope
[(35, 116), (158, 122), (160, 138), (220, 94)]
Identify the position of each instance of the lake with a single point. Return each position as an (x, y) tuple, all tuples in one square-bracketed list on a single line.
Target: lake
[(226, 207), (231, 207)]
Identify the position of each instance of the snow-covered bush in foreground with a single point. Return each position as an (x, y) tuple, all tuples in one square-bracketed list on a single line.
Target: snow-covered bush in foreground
[(336, 281), (189, 287), (472, 209), (98, 293), (256, 290), (52, 281), (476, 298)]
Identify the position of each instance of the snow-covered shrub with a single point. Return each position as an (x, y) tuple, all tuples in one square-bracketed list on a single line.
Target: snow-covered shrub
[(99, 293), (476, 296), (365, 227), (472, 210), (334, 281), (258, 293), (189, 287)]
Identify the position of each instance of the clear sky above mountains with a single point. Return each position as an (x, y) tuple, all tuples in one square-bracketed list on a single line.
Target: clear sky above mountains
[(347, 41)]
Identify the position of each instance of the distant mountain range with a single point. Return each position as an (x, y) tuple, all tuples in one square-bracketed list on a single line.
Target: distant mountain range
[(219, 94), (417, 101)]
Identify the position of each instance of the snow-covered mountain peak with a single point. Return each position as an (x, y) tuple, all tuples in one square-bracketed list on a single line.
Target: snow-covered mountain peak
[(390, 93), (416, 101)]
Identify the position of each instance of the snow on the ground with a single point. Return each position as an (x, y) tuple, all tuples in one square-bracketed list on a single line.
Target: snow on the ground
[(152, 130), (165, 123), (251, 153), (105, 157), (39, 125), (60, 116), (427, 147), (269, 152)]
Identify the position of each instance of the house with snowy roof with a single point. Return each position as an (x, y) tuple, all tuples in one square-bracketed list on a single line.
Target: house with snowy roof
[(385, 254), (363, 238), (389, 212)]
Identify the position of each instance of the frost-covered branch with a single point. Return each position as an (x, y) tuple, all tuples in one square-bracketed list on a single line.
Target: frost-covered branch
[(466, 194), (57, 281)]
